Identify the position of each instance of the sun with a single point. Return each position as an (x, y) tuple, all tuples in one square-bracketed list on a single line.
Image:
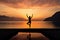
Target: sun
[(29, 12)]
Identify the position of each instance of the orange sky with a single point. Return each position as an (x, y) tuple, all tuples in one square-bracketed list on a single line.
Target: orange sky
[(39, 8)]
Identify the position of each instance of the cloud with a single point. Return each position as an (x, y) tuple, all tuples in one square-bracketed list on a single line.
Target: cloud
[(11, 1), (29, 3), (43, 2)]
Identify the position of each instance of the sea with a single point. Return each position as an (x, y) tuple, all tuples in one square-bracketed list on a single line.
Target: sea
[(23, 24)]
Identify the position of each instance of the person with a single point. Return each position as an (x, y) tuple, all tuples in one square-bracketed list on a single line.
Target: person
[(29, 19)]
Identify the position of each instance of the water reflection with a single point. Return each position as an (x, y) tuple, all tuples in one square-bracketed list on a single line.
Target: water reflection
[(23, 24), (33, 36), (56, 24)]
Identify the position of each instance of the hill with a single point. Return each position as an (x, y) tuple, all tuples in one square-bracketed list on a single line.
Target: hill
[(55, 17), (7, 18)]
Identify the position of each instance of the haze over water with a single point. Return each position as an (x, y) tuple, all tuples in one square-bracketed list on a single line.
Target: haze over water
[(23, 24)]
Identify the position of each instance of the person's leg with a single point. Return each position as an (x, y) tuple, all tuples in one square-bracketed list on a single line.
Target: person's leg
[(27, 22)]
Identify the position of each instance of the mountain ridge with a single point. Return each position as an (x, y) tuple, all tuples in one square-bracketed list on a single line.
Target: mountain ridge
[(7, 18)]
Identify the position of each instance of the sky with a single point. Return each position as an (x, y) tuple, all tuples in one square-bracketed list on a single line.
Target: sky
[(39, 8)]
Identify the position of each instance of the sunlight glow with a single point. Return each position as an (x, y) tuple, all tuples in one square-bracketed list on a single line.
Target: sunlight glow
[(29, 11)]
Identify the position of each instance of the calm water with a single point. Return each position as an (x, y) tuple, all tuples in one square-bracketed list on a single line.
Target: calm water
[(25, 35), (23, 24)]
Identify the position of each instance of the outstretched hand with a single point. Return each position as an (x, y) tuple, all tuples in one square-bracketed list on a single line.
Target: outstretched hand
[(26, 15), (32, 15)]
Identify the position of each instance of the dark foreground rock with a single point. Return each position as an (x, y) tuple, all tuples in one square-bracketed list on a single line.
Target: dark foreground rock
[(7, 34)]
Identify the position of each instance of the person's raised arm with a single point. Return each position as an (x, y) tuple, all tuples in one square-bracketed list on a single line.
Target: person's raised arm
[(32, 16), (26, 15)]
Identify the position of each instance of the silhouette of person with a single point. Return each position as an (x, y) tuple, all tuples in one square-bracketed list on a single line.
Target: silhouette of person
[(29, 19)]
